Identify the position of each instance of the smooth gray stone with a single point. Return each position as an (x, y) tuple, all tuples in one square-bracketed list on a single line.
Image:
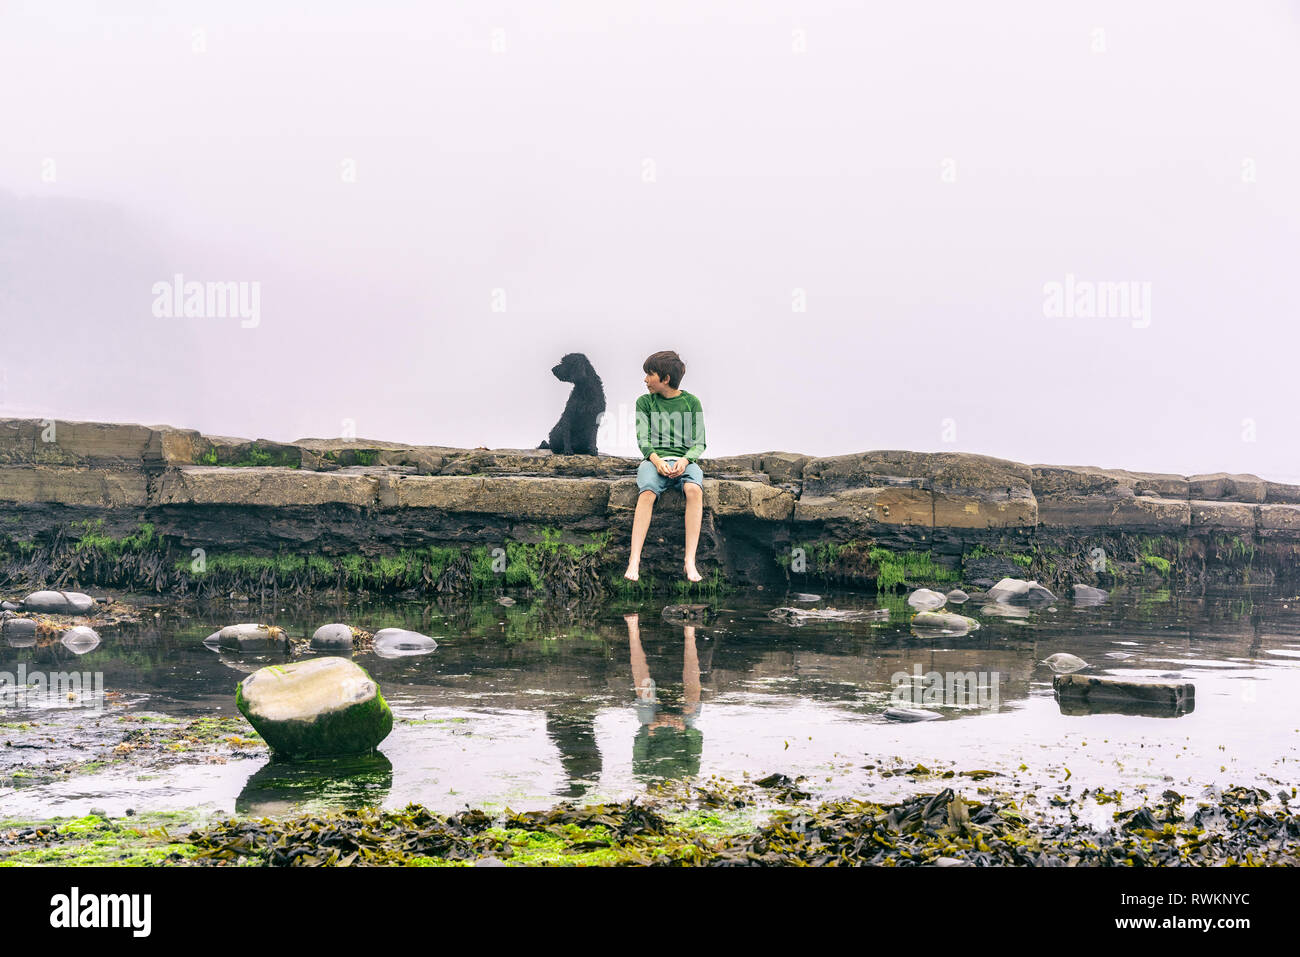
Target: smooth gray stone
[(399, 643), (911, 714), (804, 596), (505, 600), (333, 637), (942, 624), (1008, 589), (1087, 595), (18, 628), (924, 599), (59, 602), (957, 596), (1002, 610), (252, 637), (1064, 663), (80, 640)]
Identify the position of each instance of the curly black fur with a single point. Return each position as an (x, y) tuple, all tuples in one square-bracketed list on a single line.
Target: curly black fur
[(575, 433)]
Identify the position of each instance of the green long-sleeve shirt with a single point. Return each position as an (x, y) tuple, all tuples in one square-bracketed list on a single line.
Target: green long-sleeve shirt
[(672, 427)]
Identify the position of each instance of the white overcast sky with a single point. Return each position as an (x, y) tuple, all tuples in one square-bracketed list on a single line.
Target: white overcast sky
[(919, 171)]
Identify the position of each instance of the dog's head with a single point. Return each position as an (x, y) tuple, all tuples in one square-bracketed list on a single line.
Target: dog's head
[(574, 368)]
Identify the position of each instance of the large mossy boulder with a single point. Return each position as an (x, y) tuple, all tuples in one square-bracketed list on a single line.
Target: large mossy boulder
[(314, 708)]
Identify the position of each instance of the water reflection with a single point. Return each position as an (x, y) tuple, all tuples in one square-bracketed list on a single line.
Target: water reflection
[(527, 704), (285, 787), (668, 743)]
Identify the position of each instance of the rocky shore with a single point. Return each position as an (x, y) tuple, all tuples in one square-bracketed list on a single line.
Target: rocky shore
[(169, 510)]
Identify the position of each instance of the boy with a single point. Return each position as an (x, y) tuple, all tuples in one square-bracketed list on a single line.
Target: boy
[(670, 434)]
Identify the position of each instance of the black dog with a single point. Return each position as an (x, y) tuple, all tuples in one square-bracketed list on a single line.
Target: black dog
[(575, 433)]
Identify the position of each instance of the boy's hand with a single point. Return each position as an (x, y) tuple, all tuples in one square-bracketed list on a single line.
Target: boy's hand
[(671, 471)]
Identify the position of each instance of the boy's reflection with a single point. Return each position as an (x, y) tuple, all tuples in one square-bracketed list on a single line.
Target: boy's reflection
[(668, 744)]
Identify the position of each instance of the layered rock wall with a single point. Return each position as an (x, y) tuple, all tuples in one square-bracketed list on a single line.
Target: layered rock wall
[(770, 518)]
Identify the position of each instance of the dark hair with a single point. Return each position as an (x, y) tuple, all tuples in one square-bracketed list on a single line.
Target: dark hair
[(666, 365)]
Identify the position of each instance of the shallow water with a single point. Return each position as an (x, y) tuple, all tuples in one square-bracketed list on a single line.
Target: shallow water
[(528, 705)]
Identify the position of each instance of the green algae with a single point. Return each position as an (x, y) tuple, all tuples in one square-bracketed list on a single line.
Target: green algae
[(95, 841)]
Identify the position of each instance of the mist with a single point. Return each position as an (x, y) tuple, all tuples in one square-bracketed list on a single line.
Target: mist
[(849, 222)]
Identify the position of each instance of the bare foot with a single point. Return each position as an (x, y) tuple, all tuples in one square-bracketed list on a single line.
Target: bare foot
[(691, 573), (632, 574)]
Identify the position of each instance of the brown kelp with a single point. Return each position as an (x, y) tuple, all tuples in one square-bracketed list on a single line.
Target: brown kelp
[(944, 829)]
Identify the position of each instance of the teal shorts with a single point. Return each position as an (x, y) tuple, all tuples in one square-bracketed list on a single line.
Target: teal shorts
[(649, 479)]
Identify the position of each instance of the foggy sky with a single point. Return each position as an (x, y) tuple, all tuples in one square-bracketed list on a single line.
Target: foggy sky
[(663, 175)]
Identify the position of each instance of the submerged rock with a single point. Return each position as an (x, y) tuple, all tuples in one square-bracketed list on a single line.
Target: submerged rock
[(1008, 589), (317, 707), (253, 637), (335, 637), (1037, 593), (59, 602), (691, 613), (923, 599), (957, 596), (911, 714), (505, 600), (802, 616), (1064, 663), (941, 624), (18, 628), (1018, 590), (1014, 612), (804, 596), (399, 643), (1091, 694), (1087, 595), (79, 640)]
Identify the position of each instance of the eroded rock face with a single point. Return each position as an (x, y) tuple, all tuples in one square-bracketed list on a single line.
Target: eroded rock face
[(319, 707), (344, 497)]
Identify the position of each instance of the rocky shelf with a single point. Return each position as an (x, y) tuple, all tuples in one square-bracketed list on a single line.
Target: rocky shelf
[(88, 503)]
